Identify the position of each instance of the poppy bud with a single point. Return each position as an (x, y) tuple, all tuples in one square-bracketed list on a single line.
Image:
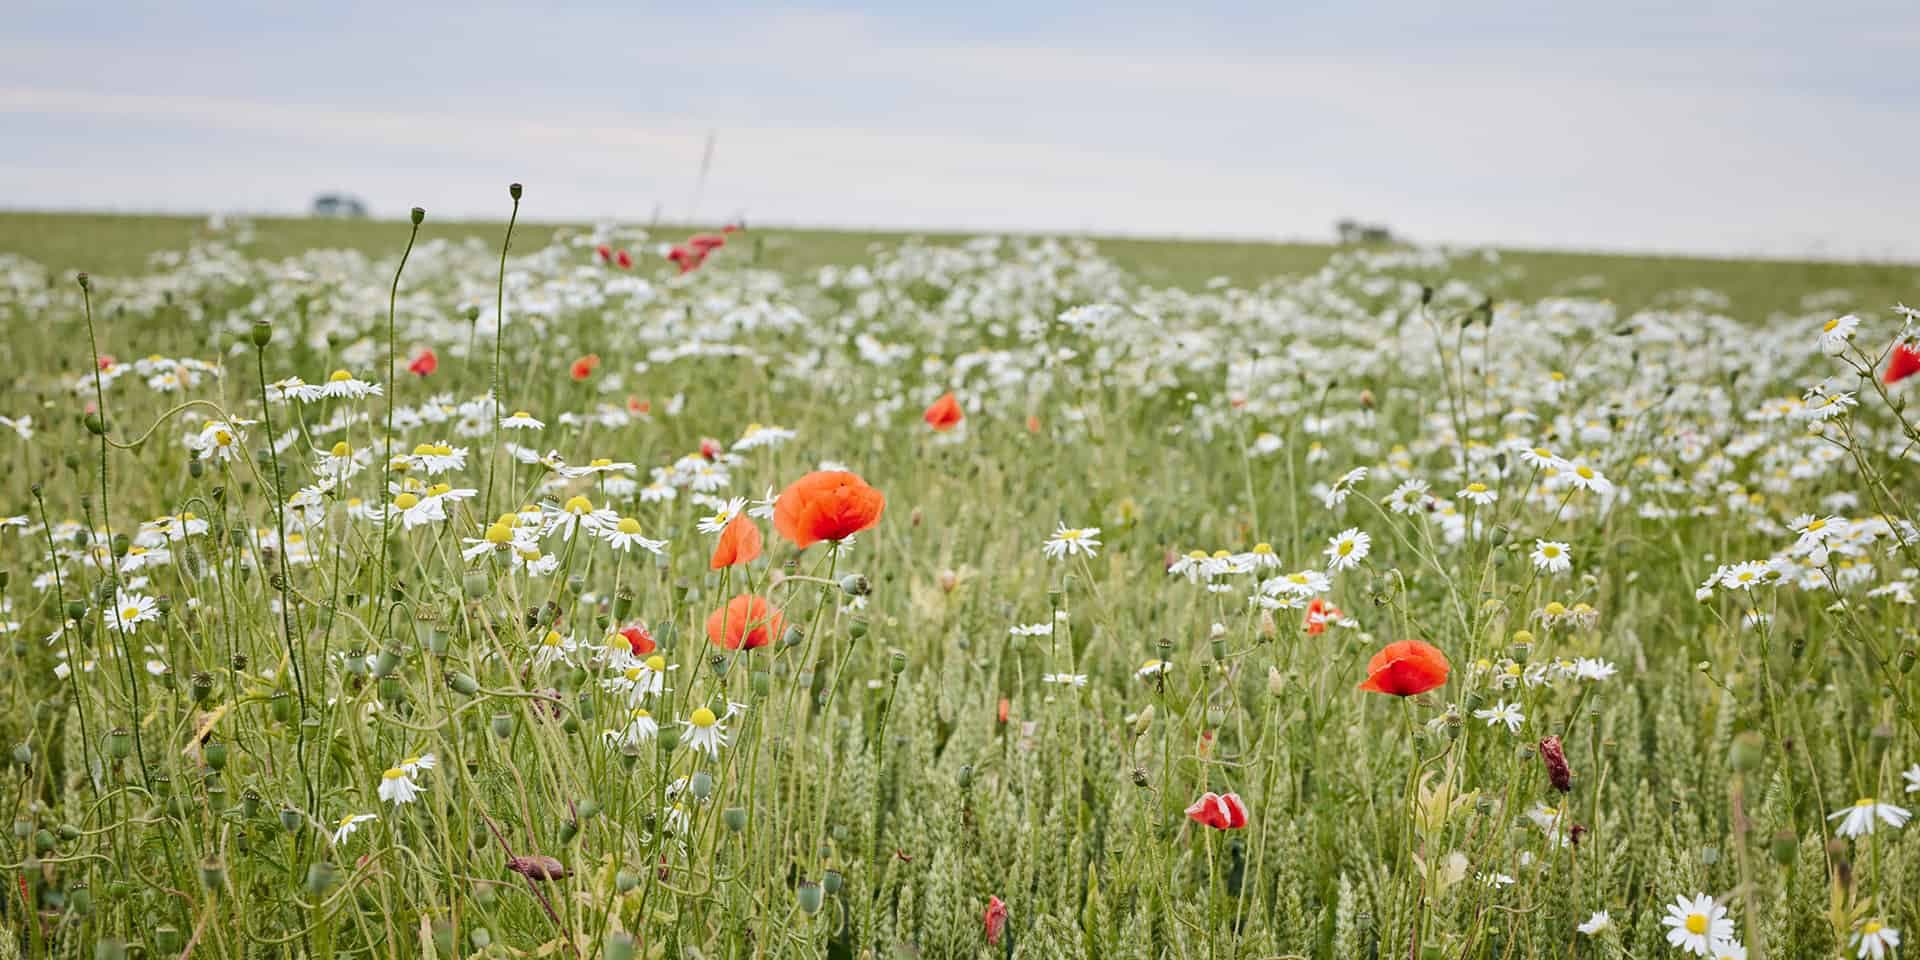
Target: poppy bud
[(625, 880), (1555, 758), (1143, 721), (735, 818), (320, 877), (809, 898), (1785, 848), (419, 214), (1276, 683), (1747, 751), (965, 779), (22, 754), (95, 425)]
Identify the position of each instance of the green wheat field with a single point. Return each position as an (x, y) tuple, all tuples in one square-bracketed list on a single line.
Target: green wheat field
[(389, 589)]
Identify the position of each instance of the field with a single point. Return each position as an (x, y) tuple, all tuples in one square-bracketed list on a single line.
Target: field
[(841, 595)]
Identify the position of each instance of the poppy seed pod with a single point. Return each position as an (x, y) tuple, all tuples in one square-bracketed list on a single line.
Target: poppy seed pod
[(320, 878), (1785, 848), (856, 585), (701, 785), (808, 897), (419, 214), (262, 333), (514, 190), (1748, 750), (108, 948), (619, 946), (735, 818), (502, 725)]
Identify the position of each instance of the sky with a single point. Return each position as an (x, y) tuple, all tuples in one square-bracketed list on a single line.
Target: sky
[(1772, 128)]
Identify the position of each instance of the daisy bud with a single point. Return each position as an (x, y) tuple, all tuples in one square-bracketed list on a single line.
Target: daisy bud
[(809, 898), (856, 585), (514, 190), (262, 333), (1520, 650), (502, 724), (1747, 751), (619, 946), (1140, 778), (735, 818), (419, 214)]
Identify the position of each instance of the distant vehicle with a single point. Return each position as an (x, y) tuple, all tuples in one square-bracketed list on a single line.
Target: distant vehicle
[(344, 206), (1353, 232)]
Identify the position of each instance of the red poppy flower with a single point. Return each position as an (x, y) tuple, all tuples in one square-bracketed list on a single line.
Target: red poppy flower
[(746, 621), (1033, 423), (605, 253), (425, 363), (584, 367), (1221, 811), (107, 361), (1005, 707), (624, 260), (1319, 612), (739, 543), (639, 639), (1406, 668), (995, 920), (678, 253), (732, 228), (1904, 363), (638, 407), (705, 242), (826, 505), (710, 449), (945, 414)]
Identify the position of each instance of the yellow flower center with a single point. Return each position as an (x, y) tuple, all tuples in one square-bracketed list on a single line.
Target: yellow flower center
[(552, 639), (657, 663), (1585, 472), (1556, 609), (1829, 325), (394, 773), (439, 488), (1872, 927), (578, 506), (1476, 488), (1197, 555), (222, 437), (1346, 547), (498, 534), (1263, 548), (340, 376), (703, 718), (129, 612), (406, 501), (629, 526), (1696, 923), (341, 449), (422, 449), (522, 415)]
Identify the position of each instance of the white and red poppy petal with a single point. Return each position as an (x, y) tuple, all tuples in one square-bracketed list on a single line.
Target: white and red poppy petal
[(1206, 809), (1236, 811)]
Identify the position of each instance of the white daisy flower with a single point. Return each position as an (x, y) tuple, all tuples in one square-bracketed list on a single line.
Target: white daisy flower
[(1866, 814), (1698, 926), (1072, 541)]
